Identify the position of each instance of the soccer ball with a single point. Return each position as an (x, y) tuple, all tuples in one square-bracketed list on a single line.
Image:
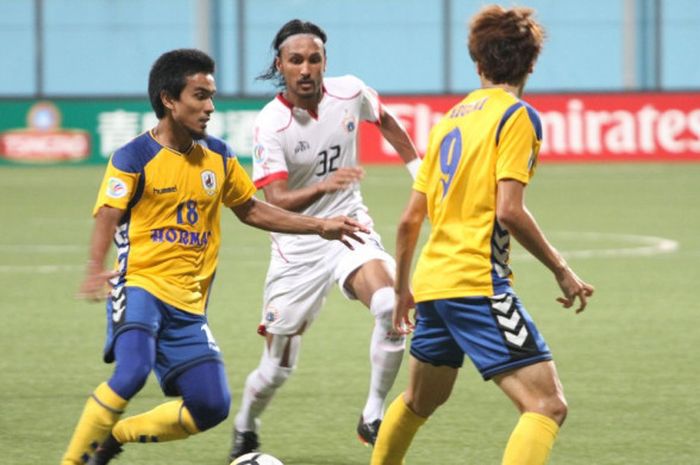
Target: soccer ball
[(257, 458)]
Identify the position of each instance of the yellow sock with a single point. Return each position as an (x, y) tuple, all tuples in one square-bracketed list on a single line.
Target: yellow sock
[(398, 428), (531, 441), (101, 412), (167, 422)]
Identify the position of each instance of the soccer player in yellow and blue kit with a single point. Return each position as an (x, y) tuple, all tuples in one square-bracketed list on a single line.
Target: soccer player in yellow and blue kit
[(479, 160), (160, 201)]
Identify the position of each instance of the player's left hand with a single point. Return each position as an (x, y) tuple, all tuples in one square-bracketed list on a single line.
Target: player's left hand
[(342, 179), (573, 288), (342, 228)]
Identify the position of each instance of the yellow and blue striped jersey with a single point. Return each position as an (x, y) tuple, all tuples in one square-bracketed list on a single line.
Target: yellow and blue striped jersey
[(168, 239), (489, 136)]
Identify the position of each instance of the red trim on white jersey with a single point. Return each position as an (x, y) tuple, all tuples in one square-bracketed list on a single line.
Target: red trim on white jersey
[(286, 102), (262, 182), (290, 106)]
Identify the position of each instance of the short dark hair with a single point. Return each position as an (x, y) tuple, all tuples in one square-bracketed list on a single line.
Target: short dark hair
[(505, 43), (293, 27), (170, 72)]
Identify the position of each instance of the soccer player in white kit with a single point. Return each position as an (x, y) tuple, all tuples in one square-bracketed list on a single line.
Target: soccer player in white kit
[(305, 160)]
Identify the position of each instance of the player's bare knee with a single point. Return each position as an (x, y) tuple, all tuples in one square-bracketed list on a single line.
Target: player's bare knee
[(382, 307), (421, 405), (553, 406), (557, 408)]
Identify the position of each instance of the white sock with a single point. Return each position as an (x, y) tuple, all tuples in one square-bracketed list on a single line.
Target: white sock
[(385, 351), (263, 382)]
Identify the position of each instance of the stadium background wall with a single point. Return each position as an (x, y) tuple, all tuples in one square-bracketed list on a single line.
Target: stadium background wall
[(586, 127)]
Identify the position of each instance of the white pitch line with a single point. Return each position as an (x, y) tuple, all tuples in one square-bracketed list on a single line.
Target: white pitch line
[(42, 269), (647, 246), (41, 248)]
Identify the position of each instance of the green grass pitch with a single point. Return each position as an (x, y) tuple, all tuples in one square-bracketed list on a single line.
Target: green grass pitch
[(629, 364)]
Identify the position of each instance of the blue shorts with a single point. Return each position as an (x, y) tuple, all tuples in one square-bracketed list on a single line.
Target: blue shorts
[(182, 339), (496, 333)]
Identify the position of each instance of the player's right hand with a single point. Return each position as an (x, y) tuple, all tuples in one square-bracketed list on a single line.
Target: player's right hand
[(401, 320), (342, 178), (342, 228), (573, 288), (96, 284)]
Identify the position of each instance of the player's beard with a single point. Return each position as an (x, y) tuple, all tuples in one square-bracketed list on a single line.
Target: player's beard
[(313, 93), (197, 134)]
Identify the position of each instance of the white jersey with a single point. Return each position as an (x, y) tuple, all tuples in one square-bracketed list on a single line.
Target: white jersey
[(304, 148)]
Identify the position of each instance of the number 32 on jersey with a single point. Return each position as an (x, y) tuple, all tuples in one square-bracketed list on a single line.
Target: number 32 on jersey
[(327, 160)]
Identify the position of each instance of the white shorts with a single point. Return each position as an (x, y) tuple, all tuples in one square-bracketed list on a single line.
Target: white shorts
[(297, 285)]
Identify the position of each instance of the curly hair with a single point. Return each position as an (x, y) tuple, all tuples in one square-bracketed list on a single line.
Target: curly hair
[(505, 43)]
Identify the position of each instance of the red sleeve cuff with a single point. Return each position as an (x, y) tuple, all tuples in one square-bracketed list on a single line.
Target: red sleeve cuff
[(262, 182)]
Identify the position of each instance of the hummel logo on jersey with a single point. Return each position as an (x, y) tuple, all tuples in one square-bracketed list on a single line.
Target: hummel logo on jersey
[(164, 190), (301, 146)]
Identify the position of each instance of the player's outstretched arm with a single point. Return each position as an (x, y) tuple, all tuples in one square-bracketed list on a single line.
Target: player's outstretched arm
[(94, 285), (263, 215), (394, 132), (278, 193), (513, 215), (406, 238)]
